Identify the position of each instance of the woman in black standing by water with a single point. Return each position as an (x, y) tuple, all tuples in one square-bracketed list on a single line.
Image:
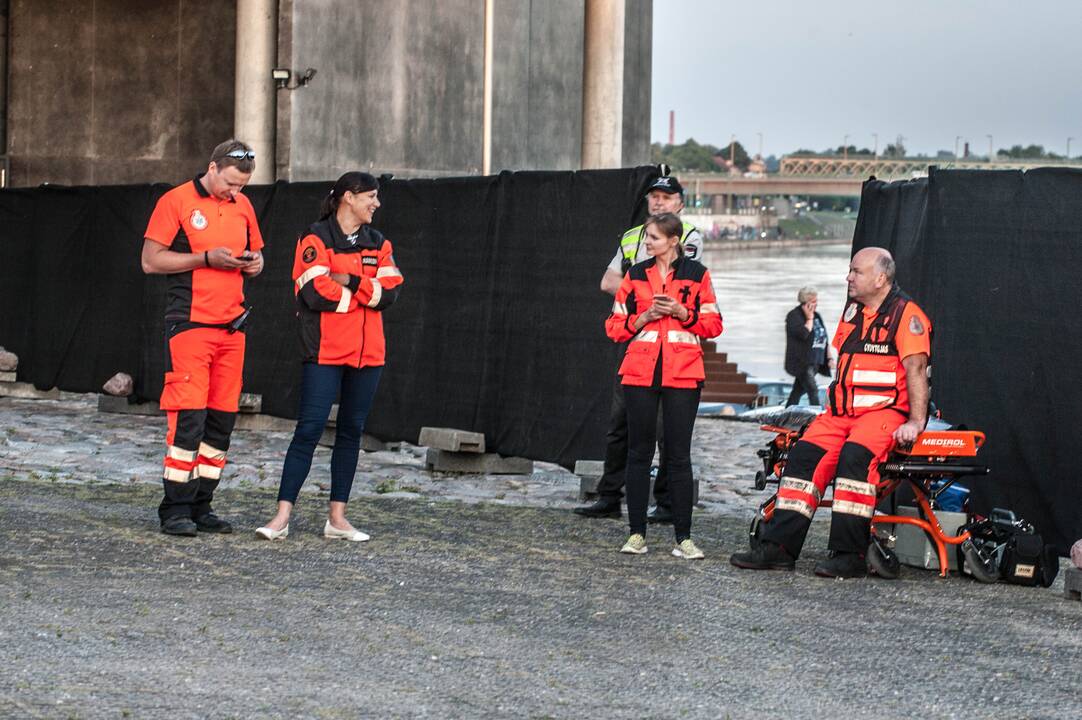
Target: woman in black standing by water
[(344, 277), (807, 347)]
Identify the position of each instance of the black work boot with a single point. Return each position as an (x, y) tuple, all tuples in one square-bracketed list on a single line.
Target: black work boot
[(603, 508), (767, 556), (179, 525), (211, 523), (660, 515), (842, 565)]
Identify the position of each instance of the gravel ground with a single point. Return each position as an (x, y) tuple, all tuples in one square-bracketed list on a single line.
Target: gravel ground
[(475, 598)]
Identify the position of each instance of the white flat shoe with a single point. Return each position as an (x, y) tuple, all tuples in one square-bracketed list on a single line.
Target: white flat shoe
[(330, 531), (269, 534)]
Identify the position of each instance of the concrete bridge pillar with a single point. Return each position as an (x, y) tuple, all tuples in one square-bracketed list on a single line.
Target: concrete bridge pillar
[(254, 96), (603, 84)]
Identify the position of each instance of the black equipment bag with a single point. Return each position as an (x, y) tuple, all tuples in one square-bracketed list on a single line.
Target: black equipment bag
[(1012, 547)]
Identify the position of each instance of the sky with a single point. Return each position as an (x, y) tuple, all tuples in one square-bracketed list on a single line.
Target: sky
[(806, 74)]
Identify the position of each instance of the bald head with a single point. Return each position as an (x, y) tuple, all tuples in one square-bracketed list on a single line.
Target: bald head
[(871, 276)]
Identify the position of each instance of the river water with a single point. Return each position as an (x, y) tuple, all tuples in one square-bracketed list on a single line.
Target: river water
[(756, 288)]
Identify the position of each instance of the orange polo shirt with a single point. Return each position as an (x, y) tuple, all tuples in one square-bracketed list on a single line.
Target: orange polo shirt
[(188, 219)]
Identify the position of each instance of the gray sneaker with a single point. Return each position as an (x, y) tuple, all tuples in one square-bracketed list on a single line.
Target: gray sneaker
[(635, 545), (688, 551)]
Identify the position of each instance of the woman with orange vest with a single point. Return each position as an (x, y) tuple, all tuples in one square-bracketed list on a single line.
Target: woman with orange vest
[(664, 307), (344, 277)]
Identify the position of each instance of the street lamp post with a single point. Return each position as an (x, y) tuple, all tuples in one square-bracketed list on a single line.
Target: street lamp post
[(990, 158), (956, 139), (845, 148), (1069, 147), (875, 152)]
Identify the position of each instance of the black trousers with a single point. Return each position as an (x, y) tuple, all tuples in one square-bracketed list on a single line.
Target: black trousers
[(192, 499), (804, 383), (679, 407), (611, 485)]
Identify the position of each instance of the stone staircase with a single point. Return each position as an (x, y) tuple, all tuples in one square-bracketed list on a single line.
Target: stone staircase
[(724, 382)]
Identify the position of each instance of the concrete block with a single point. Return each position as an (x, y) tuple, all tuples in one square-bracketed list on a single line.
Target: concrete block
[(593, 468), (8, 377), (9, 361), (452, 440), (476, 463), (117, 404), (264, 423), (250, 403), (368, 443), (1072, 584), (372, 444), (587, 485), (26, 391)]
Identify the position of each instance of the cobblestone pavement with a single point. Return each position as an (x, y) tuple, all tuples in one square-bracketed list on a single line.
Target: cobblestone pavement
[(466, 609), (68, 440)]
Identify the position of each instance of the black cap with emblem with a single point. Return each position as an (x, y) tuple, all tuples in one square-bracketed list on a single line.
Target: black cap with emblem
[(667, 183)]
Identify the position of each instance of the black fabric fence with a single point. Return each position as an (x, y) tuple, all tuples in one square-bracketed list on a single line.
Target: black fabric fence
[(498, 329), (994, 258)]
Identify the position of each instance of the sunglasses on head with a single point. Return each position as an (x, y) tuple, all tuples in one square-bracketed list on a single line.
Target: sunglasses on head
[(241, 154)]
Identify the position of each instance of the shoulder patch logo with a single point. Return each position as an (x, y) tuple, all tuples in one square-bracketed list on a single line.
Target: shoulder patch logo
[(198, 220), (850, 312), (916, 326), (309, 254)]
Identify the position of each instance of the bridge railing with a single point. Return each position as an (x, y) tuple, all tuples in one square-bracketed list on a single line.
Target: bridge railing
[(887, 168)]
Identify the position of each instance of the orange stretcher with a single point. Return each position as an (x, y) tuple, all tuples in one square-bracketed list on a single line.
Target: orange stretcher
[(936, 460)]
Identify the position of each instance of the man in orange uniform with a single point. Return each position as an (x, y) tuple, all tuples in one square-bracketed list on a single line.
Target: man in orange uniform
[(204, 235), (879, 398)]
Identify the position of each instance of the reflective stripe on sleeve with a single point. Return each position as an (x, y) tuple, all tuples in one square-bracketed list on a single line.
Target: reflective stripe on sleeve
[(312, 272), (709, 309), (618, 308), (388, 271), (649, 336), (343, 303), (377, 293), (874, 377), (683, 336)]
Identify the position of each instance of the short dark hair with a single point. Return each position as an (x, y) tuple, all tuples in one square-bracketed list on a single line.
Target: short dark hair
[(234, 153)]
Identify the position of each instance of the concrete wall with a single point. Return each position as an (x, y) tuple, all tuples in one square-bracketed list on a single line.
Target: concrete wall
[(399, 87), (537, 84), (638, 59), (407, 97), (117, 91)]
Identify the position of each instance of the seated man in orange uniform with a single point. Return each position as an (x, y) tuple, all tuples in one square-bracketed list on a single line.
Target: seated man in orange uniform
[(879, 398)]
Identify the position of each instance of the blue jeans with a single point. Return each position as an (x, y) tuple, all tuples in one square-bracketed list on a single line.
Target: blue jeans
[(320, 385)]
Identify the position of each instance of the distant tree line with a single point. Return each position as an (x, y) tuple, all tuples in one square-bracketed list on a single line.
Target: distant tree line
[(700, 158), (696, 157)]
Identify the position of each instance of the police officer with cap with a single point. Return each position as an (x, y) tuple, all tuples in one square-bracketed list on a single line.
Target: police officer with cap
[(665, 195)]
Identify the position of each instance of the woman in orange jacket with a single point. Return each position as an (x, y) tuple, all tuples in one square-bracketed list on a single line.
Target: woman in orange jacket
[(664, 306), (344, 277)]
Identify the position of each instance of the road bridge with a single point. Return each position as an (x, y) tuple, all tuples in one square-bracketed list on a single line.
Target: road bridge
[(831, 175)]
